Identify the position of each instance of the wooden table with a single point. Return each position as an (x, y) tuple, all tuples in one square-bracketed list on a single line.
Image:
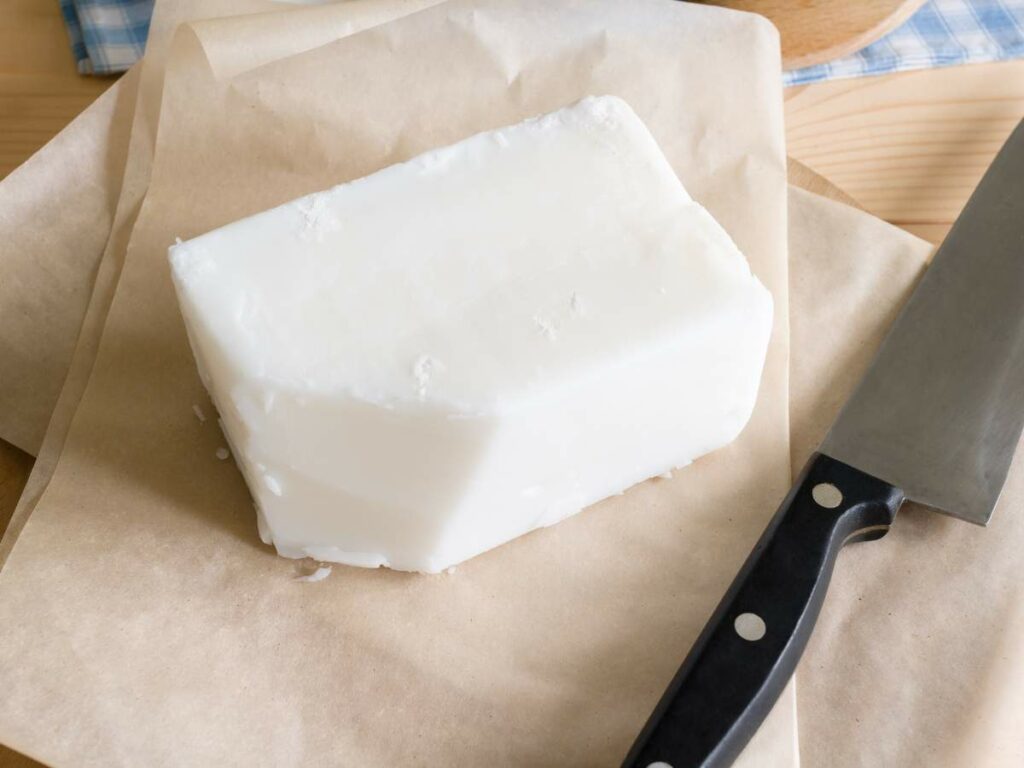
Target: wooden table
[(909, 148), (39, 89)]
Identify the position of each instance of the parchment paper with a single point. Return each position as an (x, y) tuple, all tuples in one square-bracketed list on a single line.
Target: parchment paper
[(844, 259), (65, 215), (56, 212), (951, 700), (86, 185), (916, 660), (551, 651), (36, 269)]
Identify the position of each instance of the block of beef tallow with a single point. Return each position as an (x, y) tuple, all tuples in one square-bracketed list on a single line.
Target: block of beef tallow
[(420, 365)]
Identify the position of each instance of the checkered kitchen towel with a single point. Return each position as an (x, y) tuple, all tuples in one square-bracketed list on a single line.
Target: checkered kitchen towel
[(110, 35), (941, 33), (107, 36)]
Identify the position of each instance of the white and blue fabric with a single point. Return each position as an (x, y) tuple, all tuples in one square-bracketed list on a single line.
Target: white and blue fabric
[(107, 36), (941, 33)]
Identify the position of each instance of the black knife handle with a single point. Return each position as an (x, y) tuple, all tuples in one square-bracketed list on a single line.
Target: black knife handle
[(751, 645)]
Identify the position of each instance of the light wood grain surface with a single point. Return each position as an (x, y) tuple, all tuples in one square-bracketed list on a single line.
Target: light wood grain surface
[(39, 90), (816, 31), (908, 147)]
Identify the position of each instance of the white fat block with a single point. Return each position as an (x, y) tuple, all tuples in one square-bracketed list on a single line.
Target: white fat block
[(417, 366)]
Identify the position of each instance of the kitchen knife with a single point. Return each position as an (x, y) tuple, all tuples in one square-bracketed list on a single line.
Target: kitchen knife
[(935, 420)]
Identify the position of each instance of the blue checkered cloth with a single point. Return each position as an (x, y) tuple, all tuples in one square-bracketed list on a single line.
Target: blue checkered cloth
[(107, 36), (941, 33)]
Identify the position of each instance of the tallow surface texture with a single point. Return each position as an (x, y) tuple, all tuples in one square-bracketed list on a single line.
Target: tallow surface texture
[(417, 366)]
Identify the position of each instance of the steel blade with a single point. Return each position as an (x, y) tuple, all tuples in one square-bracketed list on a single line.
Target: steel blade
[(939, 412)]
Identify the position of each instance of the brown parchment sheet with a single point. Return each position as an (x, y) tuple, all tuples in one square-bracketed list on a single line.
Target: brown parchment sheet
[(917, 657), (173, 637), (27, 397), (56, 212), (64, 219)]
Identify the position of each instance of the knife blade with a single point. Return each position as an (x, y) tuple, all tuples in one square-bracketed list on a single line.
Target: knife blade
[(935, 420)]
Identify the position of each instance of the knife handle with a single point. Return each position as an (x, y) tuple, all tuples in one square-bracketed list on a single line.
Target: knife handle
[(751, 645)]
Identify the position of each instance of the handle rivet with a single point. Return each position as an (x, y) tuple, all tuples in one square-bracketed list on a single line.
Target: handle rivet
[(750, 627), (659, 764), (827, 495)]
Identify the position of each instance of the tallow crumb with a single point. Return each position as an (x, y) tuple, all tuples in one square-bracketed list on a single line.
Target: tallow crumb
[(317, 218), (222, 453), (423, 370), (546, 327), (576, 304), (319, 574), (273, 484), (199, 413)]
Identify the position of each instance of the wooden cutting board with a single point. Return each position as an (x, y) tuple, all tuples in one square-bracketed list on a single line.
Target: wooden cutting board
[(816, 31)]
